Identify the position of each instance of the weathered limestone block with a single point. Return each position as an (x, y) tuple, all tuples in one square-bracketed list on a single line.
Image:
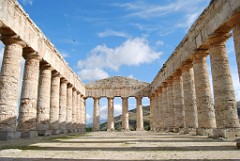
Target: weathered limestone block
[(125, 119), (178, 100), (205, 107), (139, 114), (69, 108), (224, 97), (63, 105), (27, 121), (171, 109), (110, 114), (96, 114), (191, 119), (43, 104), (9, 87), (54, 103), (74, 109), (236, 36)]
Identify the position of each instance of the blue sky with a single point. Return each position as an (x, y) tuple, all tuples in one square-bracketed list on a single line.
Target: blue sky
[(103, 38)]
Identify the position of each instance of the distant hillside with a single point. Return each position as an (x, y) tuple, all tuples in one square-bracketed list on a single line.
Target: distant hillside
[(132, 120)]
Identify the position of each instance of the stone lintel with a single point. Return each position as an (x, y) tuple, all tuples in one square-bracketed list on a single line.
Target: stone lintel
[(13, 39), (218, 38)]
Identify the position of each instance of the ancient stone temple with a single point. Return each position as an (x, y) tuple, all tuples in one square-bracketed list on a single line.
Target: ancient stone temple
[(53, 98)]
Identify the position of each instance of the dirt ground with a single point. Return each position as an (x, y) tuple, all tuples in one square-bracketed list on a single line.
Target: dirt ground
[(99, 146)]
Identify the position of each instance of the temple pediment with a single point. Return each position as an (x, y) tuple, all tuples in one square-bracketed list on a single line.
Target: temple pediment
[(117, 86)]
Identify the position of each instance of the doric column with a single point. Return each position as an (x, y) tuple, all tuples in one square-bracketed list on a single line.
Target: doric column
[(96, 114), (9, 80), (171, 111), (151, 112), (28, 107), (236, 36), (43, 104), (154, 111), (139, 114), (84, 113), (125, 119), (224, 97), (78, 117), (63, 105), (110, 114), (157, 111), (189, 98), (82, 107), (165, 105), (178, 100), (69, 108), (74, 109), (205, 108), (161, 106), (54, 103)]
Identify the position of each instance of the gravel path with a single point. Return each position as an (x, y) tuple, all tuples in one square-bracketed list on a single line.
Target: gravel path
[(99, 146)]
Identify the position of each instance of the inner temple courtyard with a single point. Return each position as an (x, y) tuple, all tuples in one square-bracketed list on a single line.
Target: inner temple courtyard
[(116, 146)]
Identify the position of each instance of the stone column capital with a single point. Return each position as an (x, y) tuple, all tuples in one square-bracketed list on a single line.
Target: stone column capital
[(186, 66), (124, 98), (138, 97), (44, 65), (69, 85), (110, 98), (15, 39), (96, 98), (169, 80), (56, 74), (177, 74), (63, 80), (218, 38), (28, 54)]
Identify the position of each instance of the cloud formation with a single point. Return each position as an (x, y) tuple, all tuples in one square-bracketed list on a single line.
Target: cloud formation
[(132, 52), (26, 2), (109, 33)]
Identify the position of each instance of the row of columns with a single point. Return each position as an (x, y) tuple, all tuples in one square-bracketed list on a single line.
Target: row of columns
[(48, 105), (125, 118), (186, 102)]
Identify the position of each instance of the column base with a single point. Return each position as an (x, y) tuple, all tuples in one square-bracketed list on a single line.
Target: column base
[(7, 136), (125, 130), (174, 130), (44, 133), (55, 132), (29, 134), (69, 131), (63, 131), (204, 132), (238, 143), (95, 130), (191, 131), (140, 129), (110, 130), (157, 129), (226, 133), (181, 131)]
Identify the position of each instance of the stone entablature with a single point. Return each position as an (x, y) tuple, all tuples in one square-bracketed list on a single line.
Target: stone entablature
[(219, 17), (117, 86), (15, 21)]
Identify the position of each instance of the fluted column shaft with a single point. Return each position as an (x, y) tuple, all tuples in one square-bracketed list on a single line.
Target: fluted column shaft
[(63, 105), (28, 107), (189, 97), (125, 119), (74, 109), (161, 110), (84, 113), (69, 108), (139, 114), (205, 107), (9, 80), (236, 36), (224, 97), (154, 109), (171, 112), (110, 114), (165, 106), (151, 113), (54, 102), (178, 100), (96, 114), (43, 105), (78, 116), (157, 112)]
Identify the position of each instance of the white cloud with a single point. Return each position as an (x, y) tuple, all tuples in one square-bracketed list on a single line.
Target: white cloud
[(104, 111), (188, 20), (159, 43), (26, 2), (132, 52), (92, 74), (131, 76), (108, 33), (88, 118)]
